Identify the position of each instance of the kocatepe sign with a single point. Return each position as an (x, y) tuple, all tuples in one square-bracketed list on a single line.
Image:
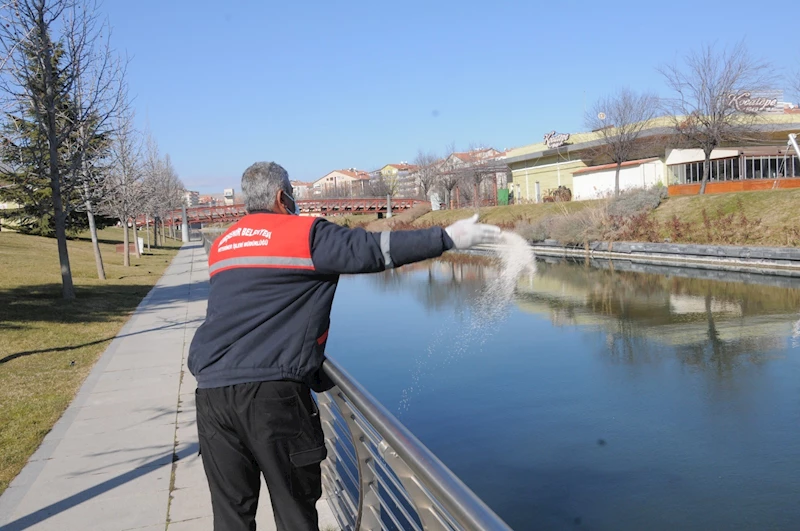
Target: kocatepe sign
[(553, 140), (746, 103)]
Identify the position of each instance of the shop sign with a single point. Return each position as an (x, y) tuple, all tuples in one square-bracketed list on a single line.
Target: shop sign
[(746, 103), (553, 140)]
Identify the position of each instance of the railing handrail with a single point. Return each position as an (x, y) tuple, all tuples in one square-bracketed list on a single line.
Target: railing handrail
[(463, 504)]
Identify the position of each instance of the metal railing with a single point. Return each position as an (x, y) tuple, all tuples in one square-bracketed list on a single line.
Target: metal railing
[(378, 475), (208, 236)]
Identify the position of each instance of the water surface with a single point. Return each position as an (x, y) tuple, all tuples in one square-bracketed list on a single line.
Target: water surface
[(600, 398)]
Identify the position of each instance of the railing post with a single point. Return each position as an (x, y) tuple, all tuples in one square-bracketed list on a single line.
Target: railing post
[(184, 226), (369, 508), (329, 474), (428, 515)]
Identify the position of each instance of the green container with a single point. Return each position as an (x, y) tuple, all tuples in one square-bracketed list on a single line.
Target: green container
[(502, 196)]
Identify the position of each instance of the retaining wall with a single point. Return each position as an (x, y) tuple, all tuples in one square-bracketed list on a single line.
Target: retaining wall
[(772, 260)]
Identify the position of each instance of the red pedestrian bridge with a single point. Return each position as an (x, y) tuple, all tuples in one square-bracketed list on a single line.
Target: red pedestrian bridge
[(308, 207)]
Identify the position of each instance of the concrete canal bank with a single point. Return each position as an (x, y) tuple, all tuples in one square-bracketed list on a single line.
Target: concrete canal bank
[(783, 261)]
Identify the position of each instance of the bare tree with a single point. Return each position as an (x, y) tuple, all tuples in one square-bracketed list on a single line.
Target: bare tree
[(708, 90), (164, 190), (472, 179), (448, 174), (620, 118), (99, 95), (449, 180), (377, 188), (426, 163), (386, 184), (124, 184), (50, 48), (153, 169)]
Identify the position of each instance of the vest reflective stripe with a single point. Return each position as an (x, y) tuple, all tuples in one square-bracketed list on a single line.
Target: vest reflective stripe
[(386, 248), (262, 261)]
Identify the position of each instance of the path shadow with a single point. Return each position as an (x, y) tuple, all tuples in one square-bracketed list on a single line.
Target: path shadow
[(58, 507)]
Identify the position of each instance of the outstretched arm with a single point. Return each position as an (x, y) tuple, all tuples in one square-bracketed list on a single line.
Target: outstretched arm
[(339, 250)]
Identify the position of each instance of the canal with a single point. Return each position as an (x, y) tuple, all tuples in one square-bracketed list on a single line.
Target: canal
[(597, 396)]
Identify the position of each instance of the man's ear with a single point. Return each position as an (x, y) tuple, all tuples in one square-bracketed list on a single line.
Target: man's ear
[(280, 208)]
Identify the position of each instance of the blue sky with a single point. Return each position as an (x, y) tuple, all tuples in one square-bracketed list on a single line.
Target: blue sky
[(317, 86)]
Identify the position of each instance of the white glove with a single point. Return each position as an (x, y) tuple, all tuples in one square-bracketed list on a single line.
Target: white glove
[(467, 232)]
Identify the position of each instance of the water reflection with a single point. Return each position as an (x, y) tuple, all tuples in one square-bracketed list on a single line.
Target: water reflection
[(714, 320), (715, 324)]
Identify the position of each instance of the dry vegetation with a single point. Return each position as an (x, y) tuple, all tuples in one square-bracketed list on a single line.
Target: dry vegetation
[(766, 218)]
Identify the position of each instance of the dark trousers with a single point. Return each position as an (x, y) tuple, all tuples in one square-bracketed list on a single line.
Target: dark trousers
[(271, 428)]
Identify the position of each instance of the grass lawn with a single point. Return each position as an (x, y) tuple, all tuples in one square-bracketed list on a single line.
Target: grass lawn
[(777, 210), (41, 334), (505, 216)]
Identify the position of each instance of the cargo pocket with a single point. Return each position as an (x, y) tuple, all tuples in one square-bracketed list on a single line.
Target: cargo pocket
[(306, 475), (309, 449), (309, 457), (306, 453)]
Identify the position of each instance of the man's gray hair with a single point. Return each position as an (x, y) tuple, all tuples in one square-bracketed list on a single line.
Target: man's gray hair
[(261, 183)]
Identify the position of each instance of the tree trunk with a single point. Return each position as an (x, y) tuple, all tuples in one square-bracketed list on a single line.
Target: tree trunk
[(163, 233), (147, 230), (477, 197), (126, 253), (155, 232), (616, 180), (706, 168), (67, 288), (98, 258), (136, 239)]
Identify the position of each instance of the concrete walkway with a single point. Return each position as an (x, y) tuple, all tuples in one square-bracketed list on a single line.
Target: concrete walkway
[(124, 454)]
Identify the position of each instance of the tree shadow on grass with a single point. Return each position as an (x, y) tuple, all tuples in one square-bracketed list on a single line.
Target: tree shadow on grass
[(67, 348), (43, 304)]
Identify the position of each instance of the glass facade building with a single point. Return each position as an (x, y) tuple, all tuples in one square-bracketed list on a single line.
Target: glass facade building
[(745, 166)]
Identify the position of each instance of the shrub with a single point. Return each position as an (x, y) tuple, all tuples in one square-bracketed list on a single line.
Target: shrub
[(639, 227), (535, 231), (634, 201), (793, 236), (725, 229), (573, 229), (678, 230)]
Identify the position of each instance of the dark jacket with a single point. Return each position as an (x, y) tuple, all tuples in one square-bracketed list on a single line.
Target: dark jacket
[(273, 278)]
